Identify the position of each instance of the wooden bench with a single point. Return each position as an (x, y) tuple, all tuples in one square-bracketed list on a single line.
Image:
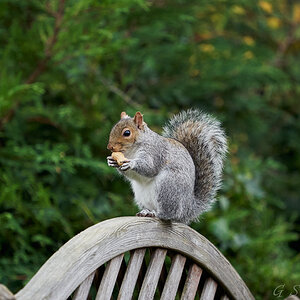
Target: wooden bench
[(136, 258)]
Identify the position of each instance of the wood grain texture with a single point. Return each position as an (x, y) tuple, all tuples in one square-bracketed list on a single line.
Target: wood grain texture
[(5, 293), (173, 279), (209, 289), (82, 291), (109, 278), (131, 275), (152, 275), (191, 283), (96, 245)]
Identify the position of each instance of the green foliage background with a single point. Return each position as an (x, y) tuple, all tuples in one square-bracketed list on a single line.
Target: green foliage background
[(67, 70)]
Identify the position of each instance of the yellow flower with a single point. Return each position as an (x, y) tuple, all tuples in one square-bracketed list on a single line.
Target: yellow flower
[(248, 55), (296, 13), (273, 22), (266, 6), (238, 10), (207, 48), (248, 40)]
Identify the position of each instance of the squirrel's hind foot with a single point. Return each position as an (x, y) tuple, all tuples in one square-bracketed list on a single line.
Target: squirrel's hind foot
[(146, 213)]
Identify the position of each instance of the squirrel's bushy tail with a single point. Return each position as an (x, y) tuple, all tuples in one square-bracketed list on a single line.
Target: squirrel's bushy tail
[(206, 142)]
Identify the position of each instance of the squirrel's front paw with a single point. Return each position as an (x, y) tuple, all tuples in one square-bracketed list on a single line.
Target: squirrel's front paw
[(127, 165), (111, 162)]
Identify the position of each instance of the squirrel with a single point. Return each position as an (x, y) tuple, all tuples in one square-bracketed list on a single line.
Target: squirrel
[(174, 176)]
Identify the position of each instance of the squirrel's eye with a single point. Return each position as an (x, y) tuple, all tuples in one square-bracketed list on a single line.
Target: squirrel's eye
[(126, 133)]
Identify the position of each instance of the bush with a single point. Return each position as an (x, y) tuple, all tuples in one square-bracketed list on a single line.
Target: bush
[(68, 68)]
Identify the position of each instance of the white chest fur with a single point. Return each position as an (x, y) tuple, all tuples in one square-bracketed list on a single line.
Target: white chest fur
[(144, 188), (144, 192)]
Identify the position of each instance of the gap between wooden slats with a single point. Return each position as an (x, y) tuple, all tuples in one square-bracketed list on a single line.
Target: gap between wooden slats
[(152, 275), (142, 273), (121, 273), (82, 291), (192, 282), (131, 275), (224, 297), (109, 278), (209, 289), (173, 279)]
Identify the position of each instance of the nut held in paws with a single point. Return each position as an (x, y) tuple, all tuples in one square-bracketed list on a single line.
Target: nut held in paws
[(119, 157)]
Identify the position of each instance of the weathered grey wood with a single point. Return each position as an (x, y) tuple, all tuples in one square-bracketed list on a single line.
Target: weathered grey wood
[(131, 275), (152, 275), (82, 291), (224, 297), (91, 248), (191, 283), (162, 277), (109, 278), (209, 289), (5, 293), (173, 279)]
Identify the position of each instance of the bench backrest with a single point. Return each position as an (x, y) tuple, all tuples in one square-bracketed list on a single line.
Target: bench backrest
[(136, 258)]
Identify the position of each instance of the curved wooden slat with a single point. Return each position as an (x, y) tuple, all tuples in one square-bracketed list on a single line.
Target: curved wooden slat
[(173, 279), (131, 275), (82, 291), (109, 278), (5, 293), (191, 283), (152, 275), (209, 290), (91, 248)]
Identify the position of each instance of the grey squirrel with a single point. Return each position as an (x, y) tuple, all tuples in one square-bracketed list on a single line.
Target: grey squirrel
[(174, 176)]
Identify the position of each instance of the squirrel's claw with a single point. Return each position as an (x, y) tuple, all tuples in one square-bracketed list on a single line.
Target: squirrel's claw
[(146, 213), (111, 162), (126, 165)]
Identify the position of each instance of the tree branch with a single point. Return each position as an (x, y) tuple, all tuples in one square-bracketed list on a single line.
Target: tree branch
[(49, 44), (109, 85), (42, 64), (284, 45)]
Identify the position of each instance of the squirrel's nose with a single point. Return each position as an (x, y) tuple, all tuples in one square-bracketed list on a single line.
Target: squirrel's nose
[(110, 147)]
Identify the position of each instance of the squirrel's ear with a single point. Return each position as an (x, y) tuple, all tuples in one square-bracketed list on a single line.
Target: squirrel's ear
[(124, 115), (138, 120)]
